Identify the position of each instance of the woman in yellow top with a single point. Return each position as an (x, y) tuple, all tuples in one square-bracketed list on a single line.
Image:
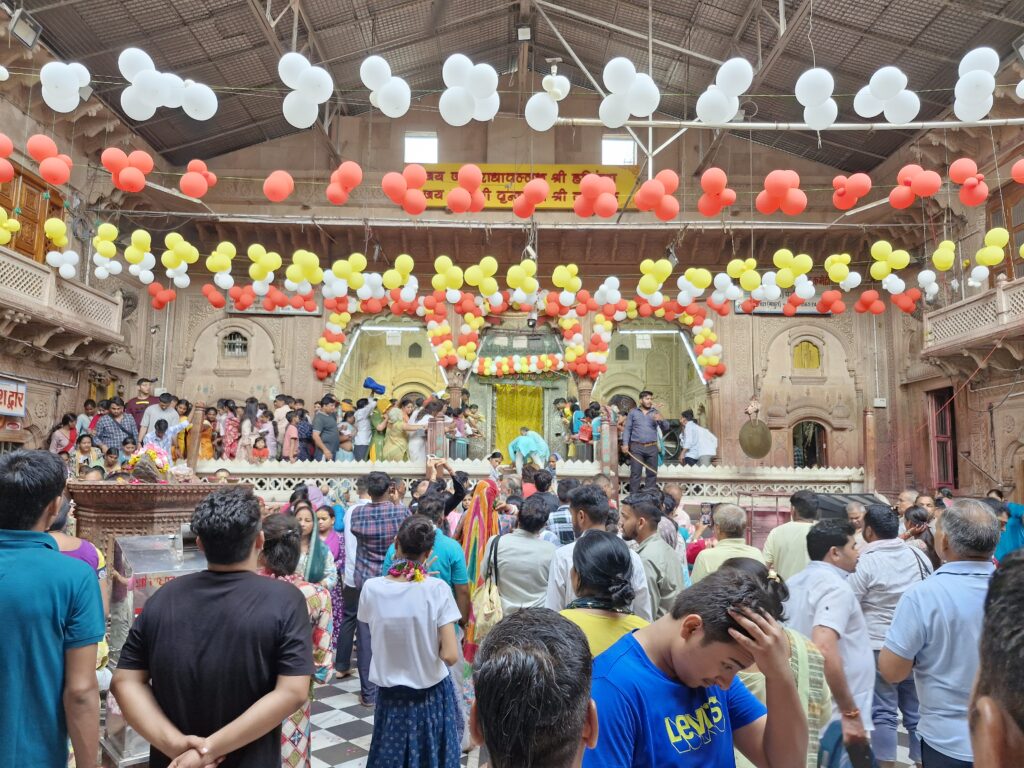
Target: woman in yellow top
[(396, 440), (805, 661), (600, 576)]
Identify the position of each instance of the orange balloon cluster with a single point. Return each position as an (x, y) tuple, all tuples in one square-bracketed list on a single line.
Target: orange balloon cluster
[(869, 302), (789, 308), (243, 298), (6, 148), (722, 309), (1017, 172), (278, 299), (198, 180), (324, 368), (54, 167), (907, 301), (657, 195), (161, 296), (749, 305), (534, 193), (215, 297), (344, 179), (554, 308), (717, 194), (597, 195), (848, 191), (913, 181), (781, 192), (467, 197), (586, 303), (128, 171), (973, 190), (278, 186), (435, 307), (831, 301), (406, 188)]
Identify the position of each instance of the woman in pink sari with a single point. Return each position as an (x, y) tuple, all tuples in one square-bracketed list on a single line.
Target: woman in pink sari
[(478, 525), (232, 434)]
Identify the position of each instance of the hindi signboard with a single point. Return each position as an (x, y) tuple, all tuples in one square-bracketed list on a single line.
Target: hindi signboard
[(12, 398)]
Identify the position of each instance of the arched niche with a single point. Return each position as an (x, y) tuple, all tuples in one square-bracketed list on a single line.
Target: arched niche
[(209, 374)]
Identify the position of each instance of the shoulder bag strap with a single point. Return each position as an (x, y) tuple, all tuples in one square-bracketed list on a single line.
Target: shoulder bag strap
[(920, 565), (492, 564)]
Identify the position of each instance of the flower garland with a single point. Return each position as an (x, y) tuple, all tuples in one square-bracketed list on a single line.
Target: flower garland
[(158, 456), (407, 570)]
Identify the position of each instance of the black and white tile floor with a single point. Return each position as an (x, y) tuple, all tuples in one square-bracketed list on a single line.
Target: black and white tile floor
[(342, 730)]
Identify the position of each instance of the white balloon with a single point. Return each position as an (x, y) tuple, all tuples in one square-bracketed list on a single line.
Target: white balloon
[(656, 299), (151, 87), (261, 288), (408, 294), (456, 69), (561, 87), (146, 277), (980, 58), (614, 110), (772, 292), (567, 298), (290, 67), (758, 294), (373, 99), (805, 290), (299, 111), (970, 113), (456, 106), (768, 278), (821, 116), (5, 74), (62, 102), (452, 295), (67, 271), (1019, 91), (114, 267), (866, 105), (814, 87), (316, 84), (643, 96), (174, 90), (925, 278), (101, 273), (718, 296), (975, 86), (887, 82), (134, 269), (734, 293), (482, 81), (54, 258), (81, 72), (394, 97), (713, 107), (852, 280), (541, 112), (487, 108), (902, 108), (132, 61), (134, 106), (223, 280), (619, 74), (734, 76), (374, 72), (722, 281), (58, 78), (199, 102), (182, 281)]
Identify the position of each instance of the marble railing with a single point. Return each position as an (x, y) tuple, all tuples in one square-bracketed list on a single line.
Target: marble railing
[(993, 313)]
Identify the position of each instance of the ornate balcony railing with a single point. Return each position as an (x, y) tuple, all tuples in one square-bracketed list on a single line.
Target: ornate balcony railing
[(973, 327)]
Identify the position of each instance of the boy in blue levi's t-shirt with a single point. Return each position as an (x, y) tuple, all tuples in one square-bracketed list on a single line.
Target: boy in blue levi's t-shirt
[(667, 695)]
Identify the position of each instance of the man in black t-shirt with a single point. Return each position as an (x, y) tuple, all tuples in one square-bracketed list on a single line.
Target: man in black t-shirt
[(325, 429), (218, 659)]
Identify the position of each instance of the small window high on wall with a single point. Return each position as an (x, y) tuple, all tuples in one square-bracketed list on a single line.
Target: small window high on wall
[(235, 345), (420, 147), (618, 150), (806, 356)]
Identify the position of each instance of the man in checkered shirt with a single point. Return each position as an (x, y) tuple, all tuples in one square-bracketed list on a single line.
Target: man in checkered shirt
[(375, 526)]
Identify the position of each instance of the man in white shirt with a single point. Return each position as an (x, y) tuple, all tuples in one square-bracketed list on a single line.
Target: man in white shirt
[(588, 506), (364, 428), (282, 405), (785, 549), (886, 568), (164, 409), (690, 453), (707, 446), (823, 607), (343, 657)]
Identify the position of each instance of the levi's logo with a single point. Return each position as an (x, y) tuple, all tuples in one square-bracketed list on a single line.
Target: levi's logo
[(690, 732)]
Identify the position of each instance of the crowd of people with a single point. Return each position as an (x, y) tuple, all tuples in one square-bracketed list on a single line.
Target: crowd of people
[(540, 617)]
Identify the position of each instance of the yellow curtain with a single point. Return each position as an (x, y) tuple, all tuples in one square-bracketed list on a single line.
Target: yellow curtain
[(516, 406), (806, 356)]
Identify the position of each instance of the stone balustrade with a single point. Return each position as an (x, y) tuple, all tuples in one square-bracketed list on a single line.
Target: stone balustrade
[(976, 322)]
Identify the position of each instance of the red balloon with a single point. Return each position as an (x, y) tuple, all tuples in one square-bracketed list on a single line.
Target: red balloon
[(961, 169), (765, 203), (41, 147), (415, 175), (211, 178), (296, 302), (350, 174), (415, 202), (216, 300), (926, 183), (193, 184), (154, 288), (606, 205), (838, 308), (479, 201), (975, 194), (6, 170), (858, 185), (336, 193), (869, 296), (583, 206), (788, 309), (843, 202), (727, 197), (275, 188), (460, 199), (876, 308), (669, 179), (141, 160), (54, 171), (649, 194), (536, 191), (131, 179), (1016, 172), (394, 186), (470, 177), (590, 186), (713, 181), (901, 197), (196, 166), (794, 202), (66, 160), (6, 145), (908, 173), (521, 207), (667, 209), (777, 183), (708, 205)]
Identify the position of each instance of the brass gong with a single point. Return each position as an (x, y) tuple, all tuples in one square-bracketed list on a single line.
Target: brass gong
[(755, 439)]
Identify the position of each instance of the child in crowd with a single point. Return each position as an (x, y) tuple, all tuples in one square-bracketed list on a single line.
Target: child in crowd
[(260, 452), (128, 449), (290, 449), (412, 617)]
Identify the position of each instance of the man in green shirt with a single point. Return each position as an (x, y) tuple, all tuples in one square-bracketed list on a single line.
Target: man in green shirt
[(785, 550), (639, 518), (730, 532)]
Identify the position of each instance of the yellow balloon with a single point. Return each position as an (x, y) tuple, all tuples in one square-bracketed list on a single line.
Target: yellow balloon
[(404, 263), (802, 264), (488, 286), (880, 250), (439, 282), (474, 275), (54, 228), (898, 259), (442, 264), (357, 261), (515, 277), (990, 255), (997, 237), (392, 279), (838, 273), (106, 231), (561, 276), (170, 260), (530, 267), (646, 266), (782, 258), (228, 249), (181, 250), (648, 284), (5, 236), (489, 266), (662, 269), (342, 270), (106, 249), (294, 273), (750, 280), (356, 281), (258, 272), (142, 240), (255, 252), (171, 239), (784, 278), (735, 268), (880, 269)]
